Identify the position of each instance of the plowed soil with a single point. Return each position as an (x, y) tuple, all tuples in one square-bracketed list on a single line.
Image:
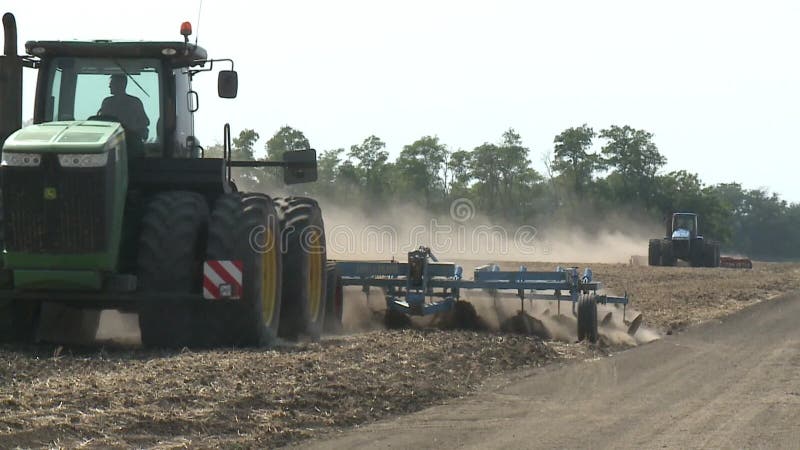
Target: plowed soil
[(101, 396)]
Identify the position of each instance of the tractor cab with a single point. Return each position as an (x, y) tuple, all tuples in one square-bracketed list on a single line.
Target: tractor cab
[(144, 86), (683, 226)]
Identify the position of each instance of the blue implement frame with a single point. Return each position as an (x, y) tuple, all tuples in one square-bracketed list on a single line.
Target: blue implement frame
[(423, 285)]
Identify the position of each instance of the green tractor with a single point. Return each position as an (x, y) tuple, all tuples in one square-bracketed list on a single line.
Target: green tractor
[(109, 203), (682, 241)]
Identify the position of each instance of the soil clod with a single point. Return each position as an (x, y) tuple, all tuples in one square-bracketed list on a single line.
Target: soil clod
[(523, 323)]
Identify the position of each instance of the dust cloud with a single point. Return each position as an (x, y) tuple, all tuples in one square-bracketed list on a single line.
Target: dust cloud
[(393, 232)]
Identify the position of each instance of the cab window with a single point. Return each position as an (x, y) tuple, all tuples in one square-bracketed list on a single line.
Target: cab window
[(77, 88)]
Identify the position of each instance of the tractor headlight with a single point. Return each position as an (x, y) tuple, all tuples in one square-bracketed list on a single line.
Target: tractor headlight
[(21, 159), (83, 160)]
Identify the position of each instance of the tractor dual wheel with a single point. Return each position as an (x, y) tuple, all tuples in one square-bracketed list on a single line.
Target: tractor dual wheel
[(170, 258), (304, 265), (587, 319), (244, 227), (667, 253), (334, 302), (711, 254), (18, 319), (654, 252)]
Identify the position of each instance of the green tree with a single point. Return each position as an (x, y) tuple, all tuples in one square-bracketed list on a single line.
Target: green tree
[(635, 158), (328, 167), (458, 166), (765, 226), (572, 159), (503, 177), (243, 145), (371, 156), (421, 166), (286, 139), (485, 171)]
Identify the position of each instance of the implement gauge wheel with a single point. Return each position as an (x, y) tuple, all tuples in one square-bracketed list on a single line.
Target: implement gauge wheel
[(587, 319)]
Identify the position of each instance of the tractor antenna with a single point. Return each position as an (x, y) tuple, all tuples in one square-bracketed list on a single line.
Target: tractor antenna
[(199, 10)]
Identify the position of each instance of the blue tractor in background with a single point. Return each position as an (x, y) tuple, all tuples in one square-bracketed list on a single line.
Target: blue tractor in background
[(683, 242)]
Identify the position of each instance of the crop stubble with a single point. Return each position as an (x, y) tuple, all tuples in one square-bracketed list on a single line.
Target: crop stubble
[(54, 396)]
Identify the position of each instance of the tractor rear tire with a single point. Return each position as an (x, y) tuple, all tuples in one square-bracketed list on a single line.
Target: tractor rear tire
[(667, 253), (244, 227), (171, 247), (711, 254), (334, 301), (304, 264), (654, 252), (587, 319), (19, 320), (697, 254)]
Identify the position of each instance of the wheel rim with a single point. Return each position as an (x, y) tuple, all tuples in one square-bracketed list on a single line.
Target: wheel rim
[(316, 272), (269, 281)]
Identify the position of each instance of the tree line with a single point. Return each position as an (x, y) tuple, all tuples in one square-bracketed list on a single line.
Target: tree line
[(579, 186)]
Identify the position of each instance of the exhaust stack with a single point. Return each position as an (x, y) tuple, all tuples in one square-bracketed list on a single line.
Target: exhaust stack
[(10, 81)]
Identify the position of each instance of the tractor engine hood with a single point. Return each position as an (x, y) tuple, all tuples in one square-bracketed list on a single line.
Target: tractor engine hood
[(81, 137)]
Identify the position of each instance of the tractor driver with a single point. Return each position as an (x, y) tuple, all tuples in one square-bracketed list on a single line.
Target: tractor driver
[(125, 108), (686, 223)]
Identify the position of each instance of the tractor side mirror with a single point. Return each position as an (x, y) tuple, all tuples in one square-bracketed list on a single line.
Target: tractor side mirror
[(301, 166), (227, 83)]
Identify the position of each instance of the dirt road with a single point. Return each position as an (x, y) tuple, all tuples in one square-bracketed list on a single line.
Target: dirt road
[(729, 383)]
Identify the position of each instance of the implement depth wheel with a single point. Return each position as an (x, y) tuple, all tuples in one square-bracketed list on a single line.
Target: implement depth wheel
[(587, 319), (171, 243), (304, 265), (244, 227)]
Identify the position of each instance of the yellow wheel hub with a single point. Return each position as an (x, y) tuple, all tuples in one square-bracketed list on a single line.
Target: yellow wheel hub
[(316, 274), (269, 281)]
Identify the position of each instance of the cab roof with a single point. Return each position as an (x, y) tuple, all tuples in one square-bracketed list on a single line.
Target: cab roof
[(178, 53)]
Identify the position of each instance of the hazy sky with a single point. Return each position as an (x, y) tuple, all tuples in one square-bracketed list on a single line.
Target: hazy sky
[(718, 83)]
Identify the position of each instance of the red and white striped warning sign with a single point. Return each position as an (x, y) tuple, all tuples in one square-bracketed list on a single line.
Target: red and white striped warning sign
[(222, 279)]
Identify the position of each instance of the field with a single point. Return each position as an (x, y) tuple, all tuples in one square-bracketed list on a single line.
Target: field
[(111, 395)]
